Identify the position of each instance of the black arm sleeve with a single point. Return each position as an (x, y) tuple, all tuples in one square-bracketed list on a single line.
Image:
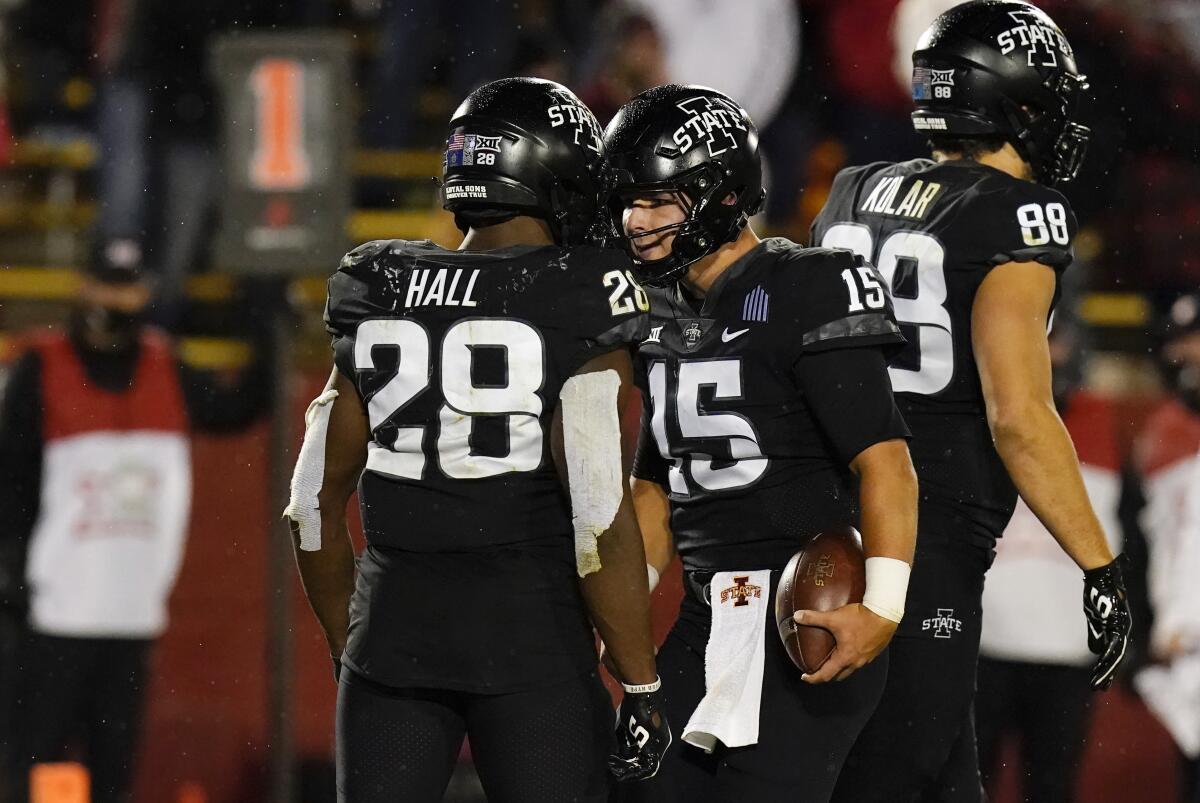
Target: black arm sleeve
[(20, 474), (850, 394), (648, 463)]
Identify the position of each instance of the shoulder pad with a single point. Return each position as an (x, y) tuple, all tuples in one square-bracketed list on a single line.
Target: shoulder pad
[(612, 306), (1020, 221), (836, 299), (366, 252)]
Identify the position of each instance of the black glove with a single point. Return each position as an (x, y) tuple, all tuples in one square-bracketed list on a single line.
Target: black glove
[(643, 734), (1106, 606)]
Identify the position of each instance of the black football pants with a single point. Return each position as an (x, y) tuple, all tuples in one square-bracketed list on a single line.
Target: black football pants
[(1047, 708), (85, 696), (920, 743), (546, 745), (805, 731)]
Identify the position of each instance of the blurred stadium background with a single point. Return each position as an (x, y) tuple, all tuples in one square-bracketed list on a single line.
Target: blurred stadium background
[(113, 130)]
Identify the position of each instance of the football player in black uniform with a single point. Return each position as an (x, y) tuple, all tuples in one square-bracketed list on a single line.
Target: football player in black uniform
[(468, 385), (768, 417), (971, 243)]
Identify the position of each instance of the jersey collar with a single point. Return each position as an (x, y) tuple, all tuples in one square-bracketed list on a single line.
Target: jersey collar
[(708, 308)]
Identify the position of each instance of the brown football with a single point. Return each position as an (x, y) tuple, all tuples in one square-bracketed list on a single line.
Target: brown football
[(827, 573)]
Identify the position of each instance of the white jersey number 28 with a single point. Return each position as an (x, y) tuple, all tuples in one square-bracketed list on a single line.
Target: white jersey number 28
[(518, 399), (917, 251)]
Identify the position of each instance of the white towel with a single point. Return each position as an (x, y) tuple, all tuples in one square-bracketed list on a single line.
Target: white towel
[(1172, 693), (733, 662)]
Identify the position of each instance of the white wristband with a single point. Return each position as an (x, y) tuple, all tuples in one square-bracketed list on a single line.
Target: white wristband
[(887, 586), (645, 687), (652, 576)]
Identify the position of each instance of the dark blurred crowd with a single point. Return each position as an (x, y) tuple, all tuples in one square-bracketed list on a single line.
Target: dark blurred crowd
[(826, 81)]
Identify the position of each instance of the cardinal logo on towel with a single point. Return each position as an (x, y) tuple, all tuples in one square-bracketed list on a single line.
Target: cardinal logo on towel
[(740, 592)]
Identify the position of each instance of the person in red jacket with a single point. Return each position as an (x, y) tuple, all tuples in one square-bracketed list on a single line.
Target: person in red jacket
[(95, 489)]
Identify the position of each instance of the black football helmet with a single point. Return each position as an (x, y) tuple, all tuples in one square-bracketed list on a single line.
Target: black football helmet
[(1002, 68), (695, 141), (524, 146)]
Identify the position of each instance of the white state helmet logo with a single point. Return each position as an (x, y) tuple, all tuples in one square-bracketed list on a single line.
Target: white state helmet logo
[(710, 122), (1040, 41), (568, 111)]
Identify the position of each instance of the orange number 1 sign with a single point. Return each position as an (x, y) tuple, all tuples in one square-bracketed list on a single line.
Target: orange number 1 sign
[(279, 160)]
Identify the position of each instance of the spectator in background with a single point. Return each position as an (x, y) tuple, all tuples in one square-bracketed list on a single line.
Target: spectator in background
[(476, 37), (1034, 662), (630, 60), (1167, 461), (158, 126), (95, 485), (748, 50)]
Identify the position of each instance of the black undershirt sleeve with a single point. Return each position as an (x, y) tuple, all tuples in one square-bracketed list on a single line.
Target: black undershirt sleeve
[(850, 395), (20, 474), (648, 463)]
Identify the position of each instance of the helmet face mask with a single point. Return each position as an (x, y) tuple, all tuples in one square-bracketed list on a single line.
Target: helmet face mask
[(697, 143), (991, 68), (696, 236), (524, 146)]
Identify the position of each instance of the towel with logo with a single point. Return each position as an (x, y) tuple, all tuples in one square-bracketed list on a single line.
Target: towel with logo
[(733, 662)]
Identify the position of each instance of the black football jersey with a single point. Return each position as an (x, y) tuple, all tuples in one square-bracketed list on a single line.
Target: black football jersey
[(459, 357), (935, 230), (749, 468)]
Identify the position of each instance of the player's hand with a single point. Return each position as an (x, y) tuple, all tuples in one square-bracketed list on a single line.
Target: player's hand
[(643, 733), (1106, 606), (861, 634)]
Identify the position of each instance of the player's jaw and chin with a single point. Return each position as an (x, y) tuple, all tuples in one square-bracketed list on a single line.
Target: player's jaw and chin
[(650, 222)]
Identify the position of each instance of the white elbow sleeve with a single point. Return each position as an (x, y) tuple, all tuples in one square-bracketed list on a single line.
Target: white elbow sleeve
[(592, 443), (309, 474)]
